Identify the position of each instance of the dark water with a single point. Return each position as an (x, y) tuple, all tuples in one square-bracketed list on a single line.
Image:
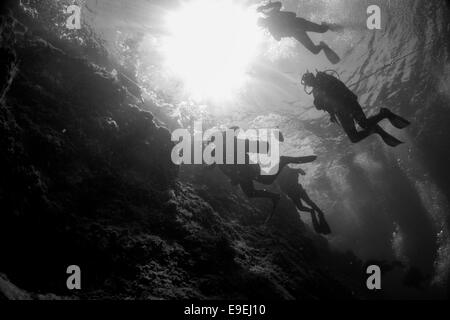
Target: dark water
[(393, 203), (382, 203), (396, 200)]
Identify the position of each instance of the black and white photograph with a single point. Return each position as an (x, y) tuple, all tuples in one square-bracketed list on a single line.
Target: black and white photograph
[(225, 155)]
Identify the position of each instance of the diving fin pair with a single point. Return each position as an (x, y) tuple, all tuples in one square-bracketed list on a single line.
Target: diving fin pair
[(324, 226), (320, 226), (387, 138), (395, 120)]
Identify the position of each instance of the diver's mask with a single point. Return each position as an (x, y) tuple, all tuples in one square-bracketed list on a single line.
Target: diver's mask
[(306, 81)]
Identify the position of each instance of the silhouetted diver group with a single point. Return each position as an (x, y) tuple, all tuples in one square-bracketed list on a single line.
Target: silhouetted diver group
[(330, 95)]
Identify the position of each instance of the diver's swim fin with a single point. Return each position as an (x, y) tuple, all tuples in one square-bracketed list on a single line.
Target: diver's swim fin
[(315, 223), (330, 54), (324, 227), (387, 138), (395, 120)]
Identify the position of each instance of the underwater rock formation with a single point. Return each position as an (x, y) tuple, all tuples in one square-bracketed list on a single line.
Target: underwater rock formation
[(86, 179)]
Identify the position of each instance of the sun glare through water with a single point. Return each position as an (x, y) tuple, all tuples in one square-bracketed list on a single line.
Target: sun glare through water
[(211, 45)]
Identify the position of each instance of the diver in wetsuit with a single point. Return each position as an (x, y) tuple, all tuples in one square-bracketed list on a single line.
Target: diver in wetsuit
[(245, 175), (286, 24), (333, 96), (289, 184)]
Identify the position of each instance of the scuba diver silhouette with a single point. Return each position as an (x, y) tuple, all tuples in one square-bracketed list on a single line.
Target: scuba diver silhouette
[(333, 96), (282, 24), (246, 174), (288, 182)]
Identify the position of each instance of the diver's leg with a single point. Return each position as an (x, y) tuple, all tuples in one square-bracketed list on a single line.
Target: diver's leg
[(299, 204), (384, 113), (370, 126), (301, 207), (309, 202), (305, 197), (357, 136), (348, 125), (309, 26), (322, 224), (306, 41), (301, 36), (363, 121)]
